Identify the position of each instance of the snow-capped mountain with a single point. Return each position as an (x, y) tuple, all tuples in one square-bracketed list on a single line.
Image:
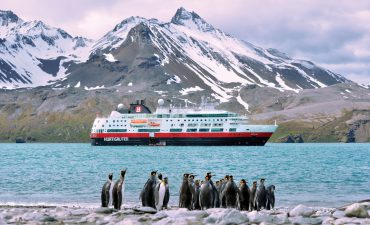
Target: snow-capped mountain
[(183, 56), (189, 55), (34, 54)]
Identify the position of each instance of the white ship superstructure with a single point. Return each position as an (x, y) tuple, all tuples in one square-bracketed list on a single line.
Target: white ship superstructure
[(169, 125)]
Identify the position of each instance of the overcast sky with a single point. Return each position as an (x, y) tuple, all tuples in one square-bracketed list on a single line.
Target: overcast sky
[(332, 33)]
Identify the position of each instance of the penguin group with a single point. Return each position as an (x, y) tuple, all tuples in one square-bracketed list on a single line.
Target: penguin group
[(204, 194), (156, 192), (194, 194), (112, 192)]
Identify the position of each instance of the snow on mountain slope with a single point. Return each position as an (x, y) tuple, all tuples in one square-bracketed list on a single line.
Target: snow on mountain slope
[(34, 54), (151, 54), (197, 54)]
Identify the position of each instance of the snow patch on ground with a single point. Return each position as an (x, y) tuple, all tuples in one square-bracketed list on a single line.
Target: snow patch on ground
[(130, 84), (186, 91), (175, 79), (94, 88), (78, 84), (347, 91), (242, 102), (109, 57), (283, 84)]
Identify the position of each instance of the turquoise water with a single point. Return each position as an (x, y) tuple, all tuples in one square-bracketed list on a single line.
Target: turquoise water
[(73, 174)]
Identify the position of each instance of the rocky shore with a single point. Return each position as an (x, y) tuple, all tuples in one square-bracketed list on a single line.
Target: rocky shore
[(357, 213)]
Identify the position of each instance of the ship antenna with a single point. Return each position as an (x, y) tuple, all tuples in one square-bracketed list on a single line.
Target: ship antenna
[(186, 103)]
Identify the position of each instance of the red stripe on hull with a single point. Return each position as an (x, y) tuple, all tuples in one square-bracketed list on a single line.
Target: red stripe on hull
[(183, 135)]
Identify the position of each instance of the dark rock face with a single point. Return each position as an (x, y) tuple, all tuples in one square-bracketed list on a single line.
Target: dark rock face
[(292, 139)]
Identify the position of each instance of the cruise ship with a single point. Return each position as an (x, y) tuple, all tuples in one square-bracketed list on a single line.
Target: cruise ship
[(169, 125)]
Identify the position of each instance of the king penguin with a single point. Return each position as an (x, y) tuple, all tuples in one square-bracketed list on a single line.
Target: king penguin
[(261, 195), (196, 204), (206, 194), (252, 197), (186, 195), (270, 190), (244, 195), (106, 192), (160, 193), (167, 194), (147, 195), (118, 191), (230, 193)]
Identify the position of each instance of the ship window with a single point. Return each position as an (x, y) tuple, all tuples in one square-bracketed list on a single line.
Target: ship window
[(175, 130), (191, 130), (203, 129), (216, 129), (182, 125), (148, 130), (232, 129), (109, 125), (116, 130), (113, 121), (103, 125)]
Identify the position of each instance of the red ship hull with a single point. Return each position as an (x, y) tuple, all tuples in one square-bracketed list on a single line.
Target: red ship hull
[(183, 139)]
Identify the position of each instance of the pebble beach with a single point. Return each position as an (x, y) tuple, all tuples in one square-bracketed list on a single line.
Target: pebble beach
[(356, 213)]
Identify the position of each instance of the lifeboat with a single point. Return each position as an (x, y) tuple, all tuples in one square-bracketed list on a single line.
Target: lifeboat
[(138, 123), (154, 124)]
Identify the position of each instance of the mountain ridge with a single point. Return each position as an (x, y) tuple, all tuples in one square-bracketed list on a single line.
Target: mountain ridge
[(187, 37)]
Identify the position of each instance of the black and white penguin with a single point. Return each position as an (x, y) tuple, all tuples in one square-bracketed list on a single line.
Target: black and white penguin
[(186, 195), (252, 197), (196, 204), (216, 202), (223, 201), (244, 195), (147, 195), (167, 194), (118, 190), (206, 194), (160, 193), (106, 192), (270, 190), (230, 193), (261, 195)]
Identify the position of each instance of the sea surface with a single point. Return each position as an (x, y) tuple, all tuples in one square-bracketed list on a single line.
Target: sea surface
[(327, 175)]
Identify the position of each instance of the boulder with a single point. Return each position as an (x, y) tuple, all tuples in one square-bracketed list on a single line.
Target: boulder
[(301, 210), (356, 210)]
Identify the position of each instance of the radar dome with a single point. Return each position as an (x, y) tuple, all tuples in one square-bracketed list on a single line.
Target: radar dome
[(160, 102), (120, 106)]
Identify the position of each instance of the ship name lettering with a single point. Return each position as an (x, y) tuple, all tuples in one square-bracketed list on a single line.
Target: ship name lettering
[(116, 139)]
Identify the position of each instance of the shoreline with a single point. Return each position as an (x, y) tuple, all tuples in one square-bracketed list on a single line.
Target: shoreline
[(300, 214)]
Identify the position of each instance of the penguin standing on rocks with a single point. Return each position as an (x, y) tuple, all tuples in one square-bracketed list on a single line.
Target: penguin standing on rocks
[(160, 193), (147, 195), (117, 191), (244, 195), (261, 195), (270, 190), (206, 194), (106, 192), (252, 197), (223, 200), (196, 204), (216, 203), (167, 194), (186, 195), (230, 193)]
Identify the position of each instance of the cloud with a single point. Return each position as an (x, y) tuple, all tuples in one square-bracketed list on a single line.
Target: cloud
[(332, 33)]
